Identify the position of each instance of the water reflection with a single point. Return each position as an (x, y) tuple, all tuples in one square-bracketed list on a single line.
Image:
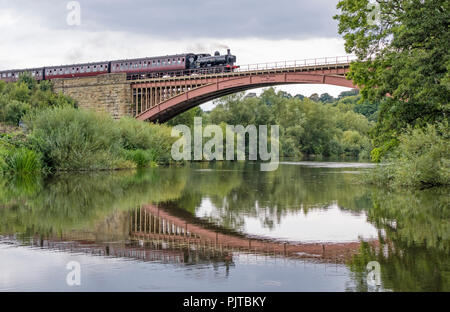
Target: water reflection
[(213, 214)]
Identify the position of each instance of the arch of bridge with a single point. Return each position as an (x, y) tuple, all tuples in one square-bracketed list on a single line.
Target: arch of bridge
[(210, 89)]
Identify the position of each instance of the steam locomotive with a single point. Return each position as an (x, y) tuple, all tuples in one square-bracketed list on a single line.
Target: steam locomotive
[(149, 67)]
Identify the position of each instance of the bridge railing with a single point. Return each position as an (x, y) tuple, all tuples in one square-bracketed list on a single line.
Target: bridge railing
[(335, 60)]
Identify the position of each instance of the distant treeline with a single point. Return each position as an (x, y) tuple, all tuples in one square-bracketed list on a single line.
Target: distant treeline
[(318, 126)]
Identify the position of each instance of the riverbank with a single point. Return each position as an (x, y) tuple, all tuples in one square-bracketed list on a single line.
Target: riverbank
[(70, 139)]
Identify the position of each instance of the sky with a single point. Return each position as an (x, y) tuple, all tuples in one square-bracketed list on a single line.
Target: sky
[(49, 32)]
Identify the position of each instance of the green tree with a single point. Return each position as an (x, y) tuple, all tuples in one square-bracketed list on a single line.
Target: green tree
[(326, 98), (403, 54)]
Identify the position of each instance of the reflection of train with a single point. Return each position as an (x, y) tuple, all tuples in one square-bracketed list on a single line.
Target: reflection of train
[(169, 65)]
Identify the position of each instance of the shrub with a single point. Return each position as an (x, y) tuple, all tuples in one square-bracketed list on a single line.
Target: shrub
[(72, 139), (420, 160), (142, 158), (146, 136), (77, 139), (21, 162), (15, 110)]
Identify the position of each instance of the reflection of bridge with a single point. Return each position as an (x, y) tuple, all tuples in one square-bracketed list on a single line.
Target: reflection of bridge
[(157, 234), (163, 98), (150, 223)]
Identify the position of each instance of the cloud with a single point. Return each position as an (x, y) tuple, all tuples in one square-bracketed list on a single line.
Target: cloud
[(181, 19), (35, 33)]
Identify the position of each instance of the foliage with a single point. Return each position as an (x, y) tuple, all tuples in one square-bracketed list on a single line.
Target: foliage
[(21, 162), (420, 160), (142, 158), (403, 55), (74, 139), (307, 127), (137, 135), (77, 139), (18, 98)]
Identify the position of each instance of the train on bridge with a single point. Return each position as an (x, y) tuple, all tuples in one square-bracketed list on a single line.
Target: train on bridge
[(149, 67)]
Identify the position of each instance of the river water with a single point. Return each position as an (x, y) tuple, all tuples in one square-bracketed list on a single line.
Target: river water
[(308, 226)]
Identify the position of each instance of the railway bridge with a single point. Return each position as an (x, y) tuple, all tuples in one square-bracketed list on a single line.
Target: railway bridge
[(162, 98)]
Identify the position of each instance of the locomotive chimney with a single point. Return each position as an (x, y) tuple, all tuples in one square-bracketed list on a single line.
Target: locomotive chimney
[(228, 51)]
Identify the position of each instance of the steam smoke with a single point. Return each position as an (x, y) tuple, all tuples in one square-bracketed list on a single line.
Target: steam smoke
[(205, 48)]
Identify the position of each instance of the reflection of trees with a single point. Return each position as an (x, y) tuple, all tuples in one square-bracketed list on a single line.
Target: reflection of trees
[(415, 252), (76, 201), (271, 195)]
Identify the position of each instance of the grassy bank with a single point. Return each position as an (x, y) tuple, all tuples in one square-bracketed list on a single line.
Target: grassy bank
[(41, 131), (71, 139)]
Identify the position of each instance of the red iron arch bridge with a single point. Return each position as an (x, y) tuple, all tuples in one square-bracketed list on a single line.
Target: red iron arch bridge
[(160, 99)]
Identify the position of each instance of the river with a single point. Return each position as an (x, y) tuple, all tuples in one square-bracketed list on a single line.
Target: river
[(308, 226)]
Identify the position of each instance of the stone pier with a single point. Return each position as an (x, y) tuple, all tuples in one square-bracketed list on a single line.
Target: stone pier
[(109, 93)]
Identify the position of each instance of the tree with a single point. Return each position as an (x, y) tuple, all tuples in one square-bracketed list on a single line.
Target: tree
[(326, 98), (403, 54), (314, 97), (344, 94)]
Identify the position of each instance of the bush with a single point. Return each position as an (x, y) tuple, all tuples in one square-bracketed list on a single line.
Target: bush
[(72, 139), (14, 111), (77, 139), (142, 158), (138, 135), (420, 160), (21, 162)]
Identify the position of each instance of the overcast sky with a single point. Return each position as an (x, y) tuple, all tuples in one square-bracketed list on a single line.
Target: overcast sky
[(36, 33)]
